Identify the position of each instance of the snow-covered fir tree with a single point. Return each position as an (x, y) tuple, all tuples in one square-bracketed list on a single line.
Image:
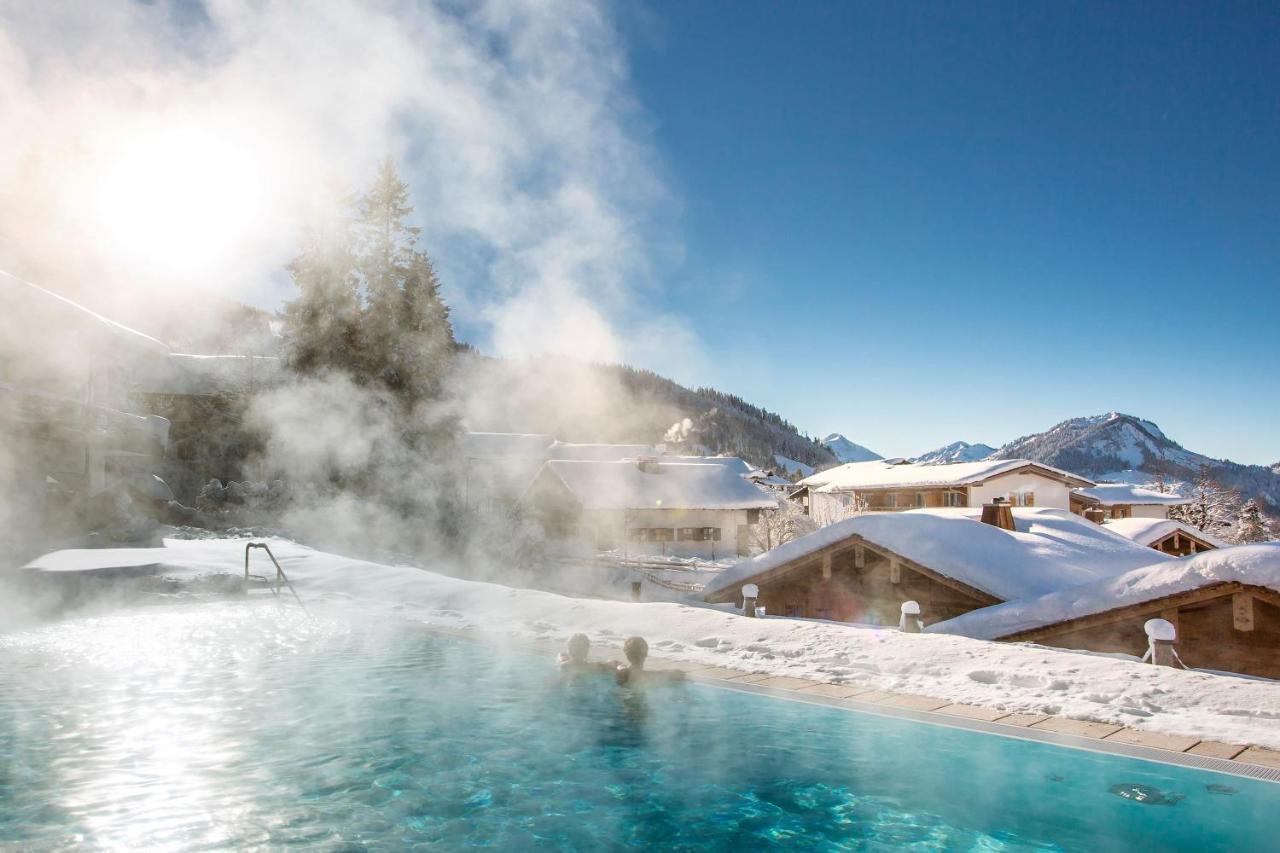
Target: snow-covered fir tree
[(1251, 526)]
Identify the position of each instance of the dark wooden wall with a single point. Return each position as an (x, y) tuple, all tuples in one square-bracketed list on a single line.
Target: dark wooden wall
[(1207, 637), (867, 595)]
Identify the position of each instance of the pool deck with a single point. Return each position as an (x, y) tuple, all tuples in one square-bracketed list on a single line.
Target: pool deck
[(1241, 759), (1233, 758)]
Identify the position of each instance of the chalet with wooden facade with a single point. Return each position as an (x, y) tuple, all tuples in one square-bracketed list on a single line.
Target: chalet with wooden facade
[(1122, 500), (1165, 535), (646, 507), (1224, 604), (892, 485), (949, 561)]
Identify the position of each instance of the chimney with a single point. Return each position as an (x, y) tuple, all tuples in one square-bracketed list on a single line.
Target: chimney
[(998, 513)]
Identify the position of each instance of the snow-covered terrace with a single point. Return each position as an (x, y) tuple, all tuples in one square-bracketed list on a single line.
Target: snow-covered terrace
[(1013, 677)]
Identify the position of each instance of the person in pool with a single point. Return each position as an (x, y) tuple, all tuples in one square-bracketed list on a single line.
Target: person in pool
[(574, 657), (636, 651)]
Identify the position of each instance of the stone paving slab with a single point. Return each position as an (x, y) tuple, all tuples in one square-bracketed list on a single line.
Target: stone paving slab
[(1081, 728), (835, 691), (914, 702), (1155, 740), (1023, 720), (750, 677), (1216, 749), (973, 712), (783, 682), (714, 673), (1260, 756), (875, 696)]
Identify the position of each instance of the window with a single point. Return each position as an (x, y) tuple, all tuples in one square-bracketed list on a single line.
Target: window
[(651, 534), (699, 534), (891, 500), (920, 498), (1121, 511), (1023, 499), (956, 499)]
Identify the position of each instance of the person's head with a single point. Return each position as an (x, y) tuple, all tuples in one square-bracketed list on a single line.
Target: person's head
[(636, 650), (578, 647)]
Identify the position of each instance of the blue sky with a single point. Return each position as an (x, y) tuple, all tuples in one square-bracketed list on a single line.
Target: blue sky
[(969, 221)]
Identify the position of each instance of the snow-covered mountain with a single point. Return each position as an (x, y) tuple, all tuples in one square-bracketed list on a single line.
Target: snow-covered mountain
[(957, 451), (847, 451), (1122, 447)]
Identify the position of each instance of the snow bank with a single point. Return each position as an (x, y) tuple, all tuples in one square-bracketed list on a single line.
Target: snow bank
[(1251, 564), (1009, 676), (1052, 549)]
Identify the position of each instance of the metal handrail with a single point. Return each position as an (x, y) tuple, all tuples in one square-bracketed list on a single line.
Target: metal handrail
[(280, 575)]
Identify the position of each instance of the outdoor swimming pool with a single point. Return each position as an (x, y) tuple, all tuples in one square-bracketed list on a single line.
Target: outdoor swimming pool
[(232, 726)]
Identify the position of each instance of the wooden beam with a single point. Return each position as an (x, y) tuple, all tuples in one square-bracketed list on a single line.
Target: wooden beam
[(826, 566), (1242, 610), (859, 557), (1171, 615), (895, 571)]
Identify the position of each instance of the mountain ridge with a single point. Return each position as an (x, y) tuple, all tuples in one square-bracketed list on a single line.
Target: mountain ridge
[(1118, 446), (845, 450), (956, 451)]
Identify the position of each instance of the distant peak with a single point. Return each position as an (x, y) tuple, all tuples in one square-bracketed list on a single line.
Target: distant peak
[(847, 451)]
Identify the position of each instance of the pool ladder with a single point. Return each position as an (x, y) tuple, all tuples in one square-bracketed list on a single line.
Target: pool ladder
[(280, 575)]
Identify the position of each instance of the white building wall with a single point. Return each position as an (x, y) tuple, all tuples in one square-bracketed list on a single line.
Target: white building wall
[(1149, 511), (608, 530), (1048, 493)]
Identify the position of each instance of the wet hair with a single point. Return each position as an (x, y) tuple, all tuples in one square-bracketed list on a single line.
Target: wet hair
[(578, 647), (636, 650)]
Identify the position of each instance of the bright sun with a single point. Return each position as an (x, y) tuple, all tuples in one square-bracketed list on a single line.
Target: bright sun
[(171, 200)]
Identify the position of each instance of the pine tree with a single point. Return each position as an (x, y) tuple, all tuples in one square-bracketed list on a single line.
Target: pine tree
[(386, 251), (321, 327), (1251, 527)]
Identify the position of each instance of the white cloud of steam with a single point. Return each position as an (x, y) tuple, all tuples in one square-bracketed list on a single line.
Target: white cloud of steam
[(152, 146)]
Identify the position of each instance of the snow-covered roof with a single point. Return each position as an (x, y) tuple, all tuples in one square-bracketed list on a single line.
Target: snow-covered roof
[(738, 466), (1148, 531), (17, 292), (882, 475), (1051, 549), (184, 373), (600, 484), (600, 452), (505, 445), (764, 478), (1257, 565), (1109, 494)]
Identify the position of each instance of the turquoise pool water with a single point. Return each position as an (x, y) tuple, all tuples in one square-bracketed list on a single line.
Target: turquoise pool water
[(234, 727)]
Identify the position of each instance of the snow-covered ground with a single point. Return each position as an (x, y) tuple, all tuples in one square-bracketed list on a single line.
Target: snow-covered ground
[(1008, 676)]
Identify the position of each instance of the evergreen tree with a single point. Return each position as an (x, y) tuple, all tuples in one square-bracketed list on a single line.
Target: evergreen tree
[(407, 342), (321, 327), (1251, 527)]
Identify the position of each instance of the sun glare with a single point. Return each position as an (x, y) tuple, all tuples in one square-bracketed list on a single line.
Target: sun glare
[(175, 199)]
